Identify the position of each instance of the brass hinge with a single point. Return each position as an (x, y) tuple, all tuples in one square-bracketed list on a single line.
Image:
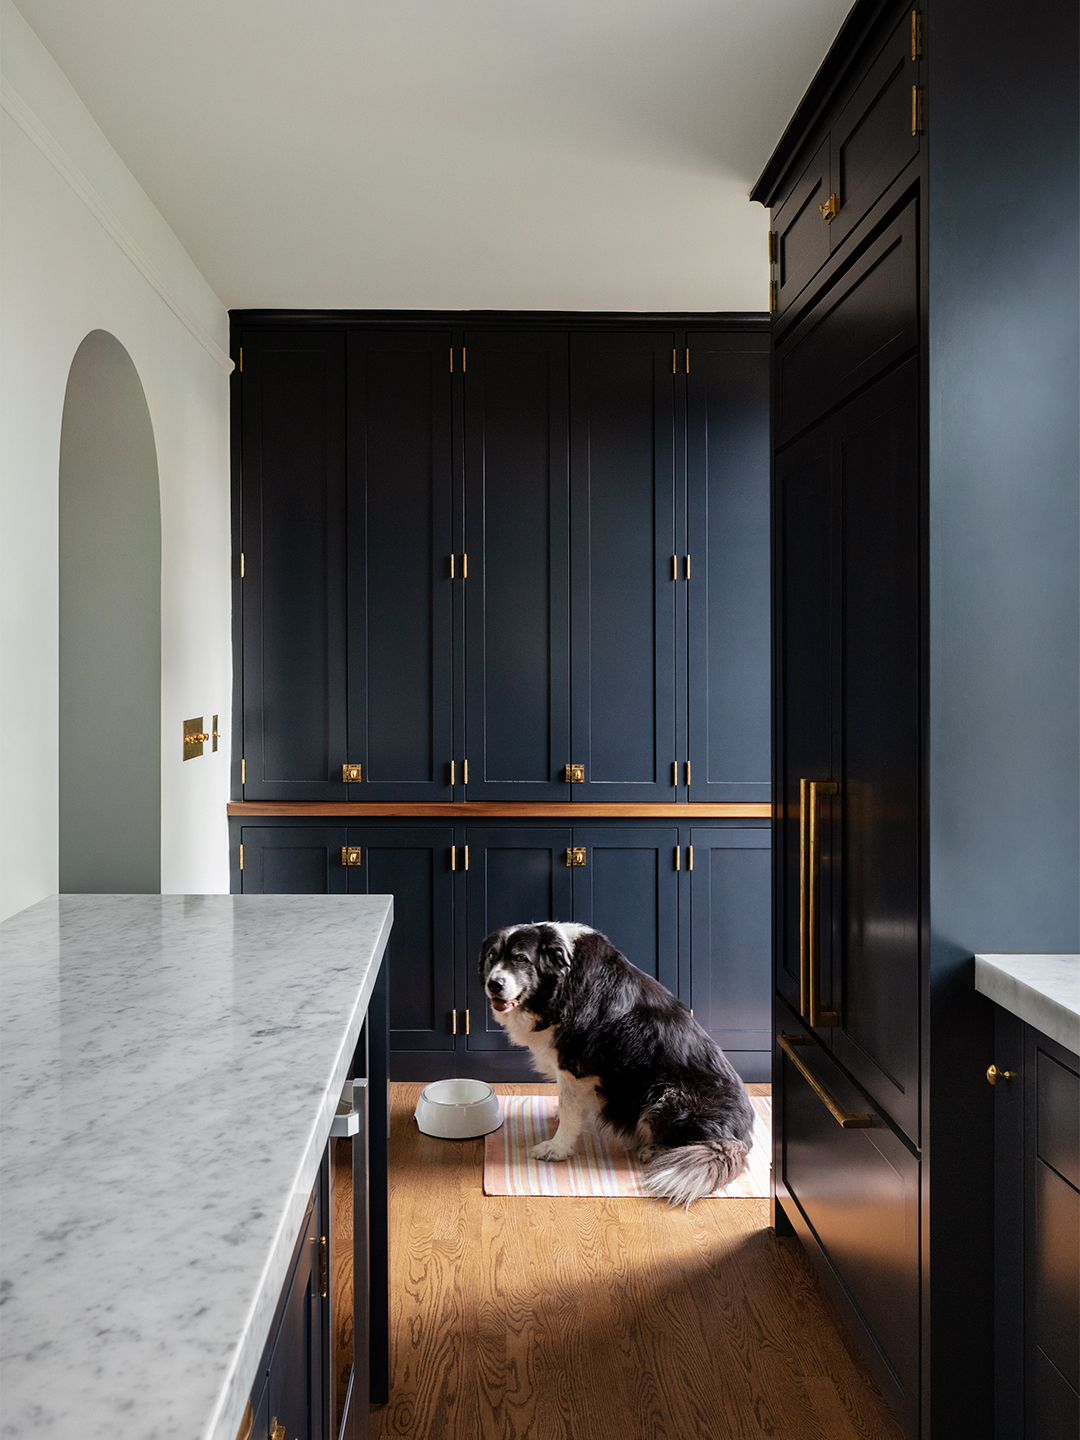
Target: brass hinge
[(243, 772), (676, 857), (351, 855), (576, 855), (917, 119), (829, 208), (774, 297), (772, 247), (241, 857), (916, 34), (324, 1267), (351, 774), (574, 774), (689, 857), (241, 564)]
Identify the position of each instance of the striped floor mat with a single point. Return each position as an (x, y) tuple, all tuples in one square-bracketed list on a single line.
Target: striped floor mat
[(600, 1167)]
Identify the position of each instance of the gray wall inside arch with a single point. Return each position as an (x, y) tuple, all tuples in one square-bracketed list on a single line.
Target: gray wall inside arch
[(110, 628)]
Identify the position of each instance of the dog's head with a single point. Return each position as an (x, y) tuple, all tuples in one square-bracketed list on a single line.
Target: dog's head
[(523, 965)]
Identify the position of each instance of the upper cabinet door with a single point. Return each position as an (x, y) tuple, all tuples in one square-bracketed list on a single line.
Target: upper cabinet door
[(877, 133), (400, 500), (728, 542), (294, 540), (623, 502), (802, 231), (517, 689)]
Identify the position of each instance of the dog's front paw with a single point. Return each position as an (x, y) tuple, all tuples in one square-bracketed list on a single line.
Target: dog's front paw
[(644, 1153), (551, 1150)]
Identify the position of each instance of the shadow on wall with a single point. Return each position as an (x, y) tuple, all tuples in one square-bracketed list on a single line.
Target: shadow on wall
[(110, 628)]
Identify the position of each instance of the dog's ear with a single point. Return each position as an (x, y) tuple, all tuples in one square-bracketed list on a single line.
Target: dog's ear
[(552, 956)]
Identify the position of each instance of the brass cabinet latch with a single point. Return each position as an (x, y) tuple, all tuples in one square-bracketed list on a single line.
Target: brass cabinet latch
[(829, 208), (574, 774), (576, 855), (350, 855), (351, 774)]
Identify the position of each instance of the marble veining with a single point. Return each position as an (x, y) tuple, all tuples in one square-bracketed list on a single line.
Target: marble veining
[(169, 1067), (1043, 990)]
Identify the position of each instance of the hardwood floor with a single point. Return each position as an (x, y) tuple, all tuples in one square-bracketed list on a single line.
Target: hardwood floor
[(584, 1319)]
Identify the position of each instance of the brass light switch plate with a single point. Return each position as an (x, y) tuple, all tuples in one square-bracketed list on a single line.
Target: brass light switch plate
[(194, 738)]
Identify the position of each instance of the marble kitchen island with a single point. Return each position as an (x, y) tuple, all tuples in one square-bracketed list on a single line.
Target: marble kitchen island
[(169, 1070)]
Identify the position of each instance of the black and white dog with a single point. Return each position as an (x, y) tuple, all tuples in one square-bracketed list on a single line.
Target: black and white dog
[(624, 1051)]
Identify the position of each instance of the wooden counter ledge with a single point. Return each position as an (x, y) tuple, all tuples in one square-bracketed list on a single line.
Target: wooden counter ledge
[(535, 810)]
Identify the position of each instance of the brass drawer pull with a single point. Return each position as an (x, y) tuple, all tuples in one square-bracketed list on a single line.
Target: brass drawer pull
[(787, 1044), (810, 1007)]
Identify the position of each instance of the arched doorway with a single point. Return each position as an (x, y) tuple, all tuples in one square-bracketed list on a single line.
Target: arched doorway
[(110, 628)]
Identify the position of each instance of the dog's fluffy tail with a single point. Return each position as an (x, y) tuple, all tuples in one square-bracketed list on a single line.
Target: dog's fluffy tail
[(691, 1172)]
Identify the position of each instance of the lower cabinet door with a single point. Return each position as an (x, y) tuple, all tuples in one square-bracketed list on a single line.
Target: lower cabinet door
[(628, 888), (515, 876), (292, 1401), (731, 943), (856, 1200), (292, 860), (413, 865)]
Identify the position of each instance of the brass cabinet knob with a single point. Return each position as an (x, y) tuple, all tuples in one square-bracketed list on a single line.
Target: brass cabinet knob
[(993, 1074)]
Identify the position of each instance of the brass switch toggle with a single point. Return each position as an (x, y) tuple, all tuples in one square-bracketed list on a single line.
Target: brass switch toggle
[(574, 774)]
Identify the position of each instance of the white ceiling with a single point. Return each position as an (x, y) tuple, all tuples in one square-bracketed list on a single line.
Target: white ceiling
[(539, 154)]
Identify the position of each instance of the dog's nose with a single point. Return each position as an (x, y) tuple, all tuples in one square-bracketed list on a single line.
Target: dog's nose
[(494, 986)]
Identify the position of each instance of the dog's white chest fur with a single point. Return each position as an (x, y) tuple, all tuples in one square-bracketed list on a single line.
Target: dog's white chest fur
[(518, 1024)]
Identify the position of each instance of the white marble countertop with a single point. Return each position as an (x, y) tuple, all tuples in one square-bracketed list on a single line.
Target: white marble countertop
[(1044, 990), (169, 1067)]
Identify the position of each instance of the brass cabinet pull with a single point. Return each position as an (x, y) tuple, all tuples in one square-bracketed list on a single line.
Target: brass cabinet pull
[(787, 1044), (810, 1007), (244, 1433), (830, 208), (277, 1432)]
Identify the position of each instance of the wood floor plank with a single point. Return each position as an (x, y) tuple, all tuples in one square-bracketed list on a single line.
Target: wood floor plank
[(542, 1318)]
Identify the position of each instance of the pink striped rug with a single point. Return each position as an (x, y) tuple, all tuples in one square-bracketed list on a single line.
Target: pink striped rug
[(600, 1167)]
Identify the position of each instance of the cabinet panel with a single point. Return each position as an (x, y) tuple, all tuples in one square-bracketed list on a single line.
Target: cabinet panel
[(1058, 1122), (1057, 1272), (294, 1384), (515, 876), (872, 140), (293, 860), (622, 459), (413, 865), (805, 644), (400, 500), (859, 1192), (876, 464), (293, 541), (802, 232), (731, 940), (628, 888), (727, 595), (517, 541), (864, 323)]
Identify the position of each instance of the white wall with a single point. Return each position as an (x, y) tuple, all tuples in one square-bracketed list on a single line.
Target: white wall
[(81, 249)]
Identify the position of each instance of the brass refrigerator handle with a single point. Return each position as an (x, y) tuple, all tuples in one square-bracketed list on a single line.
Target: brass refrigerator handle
[(810, 1007), (787, 1044)]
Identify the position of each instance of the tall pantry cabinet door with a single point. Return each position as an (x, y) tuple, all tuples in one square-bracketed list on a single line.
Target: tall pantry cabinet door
[(517, 687), (727, 592), (877, 989), (805, 615), (400, 498), (293, 528), (623, 591)]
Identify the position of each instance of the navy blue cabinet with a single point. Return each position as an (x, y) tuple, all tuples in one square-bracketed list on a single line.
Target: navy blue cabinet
[(293, 562), (400, 537), (727, 592), (623, 581), (517, 544), (291, 860), (628, 887)]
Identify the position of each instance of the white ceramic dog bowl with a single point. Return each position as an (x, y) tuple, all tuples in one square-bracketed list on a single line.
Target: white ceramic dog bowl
[(458, 1109)]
